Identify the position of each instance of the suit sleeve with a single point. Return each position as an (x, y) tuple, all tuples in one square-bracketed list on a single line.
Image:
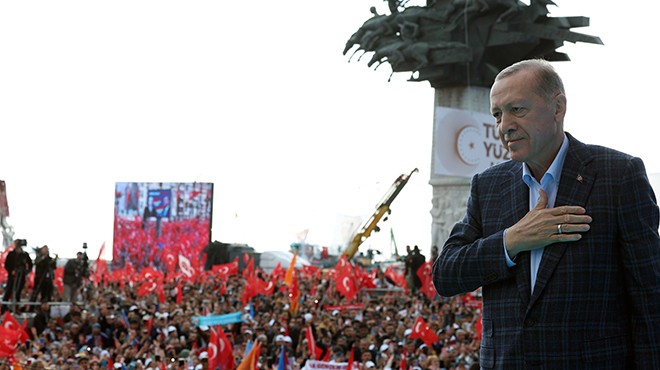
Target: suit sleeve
[(639, 244), (470, 259)]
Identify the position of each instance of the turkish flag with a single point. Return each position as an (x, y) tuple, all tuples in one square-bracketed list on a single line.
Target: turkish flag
[(179, 294), (186, 267), (149, 273), (424, 272), (8, 341), (170, 262), (342, 263), (223, 287), (220, 351), (146, 288), (251, 289), (311, 344), (213, 350), (267, 288), (310, 270), (278, 272), (10, 322), (398, 279), (364, 278), (424, 332), (249, 268), (345, 284), (226, 269)]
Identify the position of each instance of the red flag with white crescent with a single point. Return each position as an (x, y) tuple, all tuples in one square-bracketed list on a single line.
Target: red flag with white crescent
[(179, 294), (345, 284), (186, 268), (149, 273), (8, 341), (213, 349), (268, 288), (146, 288), (9, 322), (226, 269), (424, 272), (224, 352), (424, 332), (170, 262)]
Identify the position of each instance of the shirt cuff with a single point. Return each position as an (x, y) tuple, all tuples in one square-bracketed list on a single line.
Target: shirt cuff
[(509, 261)]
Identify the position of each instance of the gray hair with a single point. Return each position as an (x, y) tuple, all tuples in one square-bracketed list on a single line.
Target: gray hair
[(547, 79)]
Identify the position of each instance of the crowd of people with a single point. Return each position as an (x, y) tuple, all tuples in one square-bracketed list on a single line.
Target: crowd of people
[(115, 324)]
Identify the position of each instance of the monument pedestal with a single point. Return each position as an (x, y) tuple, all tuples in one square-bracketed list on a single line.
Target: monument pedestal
[(450, 193)]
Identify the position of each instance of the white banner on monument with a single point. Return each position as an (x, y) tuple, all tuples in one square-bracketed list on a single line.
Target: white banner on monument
[(465, 143)]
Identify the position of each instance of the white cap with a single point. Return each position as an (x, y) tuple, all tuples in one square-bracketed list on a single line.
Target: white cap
[(203, 355), (288, 339), (308, 317), (171, 328), (279, 338), (369, 364), (335, 312), (162, 314), (407, 332), (384, 347)]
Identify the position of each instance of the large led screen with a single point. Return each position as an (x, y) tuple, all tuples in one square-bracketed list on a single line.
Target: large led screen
[(155, 221)]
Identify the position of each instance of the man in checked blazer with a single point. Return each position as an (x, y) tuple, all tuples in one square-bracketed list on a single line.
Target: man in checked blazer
[(563, 240)]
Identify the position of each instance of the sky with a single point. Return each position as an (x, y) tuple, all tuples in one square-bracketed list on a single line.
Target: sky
[(256, 97)]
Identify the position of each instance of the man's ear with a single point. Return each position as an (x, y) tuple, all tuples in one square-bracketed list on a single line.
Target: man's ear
[(560, 107)]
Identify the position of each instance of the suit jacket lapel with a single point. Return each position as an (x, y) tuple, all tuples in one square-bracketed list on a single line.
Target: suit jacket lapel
[(574, 188)]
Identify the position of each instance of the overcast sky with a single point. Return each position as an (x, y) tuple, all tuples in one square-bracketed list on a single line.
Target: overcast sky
[(256, 97)]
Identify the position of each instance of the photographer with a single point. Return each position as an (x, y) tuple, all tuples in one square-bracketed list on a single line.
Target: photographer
[(18, 264), (74, 272), (44, 266)]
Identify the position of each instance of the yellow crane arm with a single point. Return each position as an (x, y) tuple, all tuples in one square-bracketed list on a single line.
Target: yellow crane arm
[(371, 224)]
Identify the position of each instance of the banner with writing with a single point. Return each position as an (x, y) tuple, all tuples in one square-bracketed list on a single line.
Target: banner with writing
[(229, 318), (322, 365)]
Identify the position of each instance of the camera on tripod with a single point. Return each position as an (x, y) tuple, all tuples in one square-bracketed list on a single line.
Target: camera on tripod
[(21, 242)]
